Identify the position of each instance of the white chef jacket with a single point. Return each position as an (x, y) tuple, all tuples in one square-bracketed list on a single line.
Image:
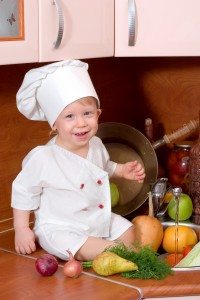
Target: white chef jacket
[(67, 192)]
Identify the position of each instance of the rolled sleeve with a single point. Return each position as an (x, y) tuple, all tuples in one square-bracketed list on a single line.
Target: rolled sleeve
[(27, 188), (110, 167), (25, 198)]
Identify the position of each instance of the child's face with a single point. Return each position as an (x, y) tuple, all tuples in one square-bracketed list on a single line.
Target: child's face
[(77, 123)]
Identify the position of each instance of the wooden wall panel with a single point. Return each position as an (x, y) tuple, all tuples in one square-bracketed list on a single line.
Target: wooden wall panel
[(17, 136), (130, 89), (166, 89)]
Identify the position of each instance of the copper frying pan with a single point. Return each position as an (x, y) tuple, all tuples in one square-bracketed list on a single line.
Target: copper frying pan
[(125, 143)]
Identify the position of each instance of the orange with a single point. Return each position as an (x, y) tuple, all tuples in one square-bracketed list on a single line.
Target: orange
[(168, 196), (186, 236)]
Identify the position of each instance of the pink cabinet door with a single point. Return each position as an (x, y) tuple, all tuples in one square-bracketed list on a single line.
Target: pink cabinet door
[(162, 27), (25, 48), (88, 29)]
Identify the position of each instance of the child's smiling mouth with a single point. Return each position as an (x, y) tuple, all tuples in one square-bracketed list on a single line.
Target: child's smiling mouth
[(80, 134)]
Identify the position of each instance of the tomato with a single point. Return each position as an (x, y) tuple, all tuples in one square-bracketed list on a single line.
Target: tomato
[(186, 250), (173, 259)]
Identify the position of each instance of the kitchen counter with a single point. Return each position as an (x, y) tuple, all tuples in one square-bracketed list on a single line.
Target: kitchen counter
[(177, 286), (180, 283)]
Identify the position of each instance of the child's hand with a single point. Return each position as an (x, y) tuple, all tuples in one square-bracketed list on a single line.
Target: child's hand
[(132, 171), (24, 241)]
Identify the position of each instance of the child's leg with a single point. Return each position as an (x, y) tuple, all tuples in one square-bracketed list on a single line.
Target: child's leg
[(92, 247)]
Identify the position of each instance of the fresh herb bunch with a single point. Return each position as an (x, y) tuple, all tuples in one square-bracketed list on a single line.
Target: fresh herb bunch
[(149, 265)]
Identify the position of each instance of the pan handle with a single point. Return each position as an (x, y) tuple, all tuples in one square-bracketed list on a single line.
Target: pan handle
[(185, 130)]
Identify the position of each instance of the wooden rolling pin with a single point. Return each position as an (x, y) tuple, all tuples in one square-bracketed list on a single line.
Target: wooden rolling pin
[(184, 131)]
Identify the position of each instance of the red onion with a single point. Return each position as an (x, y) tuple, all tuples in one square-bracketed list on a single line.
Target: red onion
[(73, 268), (46, 265)]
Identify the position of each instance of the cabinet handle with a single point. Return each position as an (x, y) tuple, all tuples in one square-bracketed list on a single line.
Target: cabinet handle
[(60, 23), (131, 22)]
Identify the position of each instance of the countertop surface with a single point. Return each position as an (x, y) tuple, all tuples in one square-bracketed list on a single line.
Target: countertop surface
[(183, 284), (180, 285)]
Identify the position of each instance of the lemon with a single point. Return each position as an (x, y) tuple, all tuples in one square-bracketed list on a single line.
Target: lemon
[(185, 236)]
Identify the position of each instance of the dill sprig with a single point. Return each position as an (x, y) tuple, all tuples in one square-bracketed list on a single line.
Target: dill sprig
[(149, 265)]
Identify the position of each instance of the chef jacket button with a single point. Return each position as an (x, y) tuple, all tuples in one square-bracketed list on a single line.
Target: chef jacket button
[(101, 206), (99, 182), (82, 186)]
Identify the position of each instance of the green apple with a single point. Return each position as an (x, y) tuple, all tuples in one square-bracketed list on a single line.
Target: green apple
[(114, 194), (185, 208)]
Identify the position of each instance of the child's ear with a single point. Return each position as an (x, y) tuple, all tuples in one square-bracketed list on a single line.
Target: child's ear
[(98, 112)]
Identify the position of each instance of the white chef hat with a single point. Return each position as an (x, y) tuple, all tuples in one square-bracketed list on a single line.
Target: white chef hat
[(47, 90)]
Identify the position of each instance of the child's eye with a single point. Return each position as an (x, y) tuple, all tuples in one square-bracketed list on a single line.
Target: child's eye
[(87, 113), (69, 116)]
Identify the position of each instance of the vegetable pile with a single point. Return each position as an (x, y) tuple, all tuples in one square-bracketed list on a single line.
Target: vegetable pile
[(142, 263)]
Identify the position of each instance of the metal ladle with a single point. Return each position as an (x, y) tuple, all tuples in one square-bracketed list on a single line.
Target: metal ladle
[(158, 192), (163, 208)]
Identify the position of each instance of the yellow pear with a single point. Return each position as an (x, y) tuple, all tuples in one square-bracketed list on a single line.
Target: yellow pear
[(109, 263)]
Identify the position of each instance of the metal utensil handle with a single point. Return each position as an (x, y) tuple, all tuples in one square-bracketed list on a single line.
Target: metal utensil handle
[(131, 22), (60, 23), (184, 131)]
